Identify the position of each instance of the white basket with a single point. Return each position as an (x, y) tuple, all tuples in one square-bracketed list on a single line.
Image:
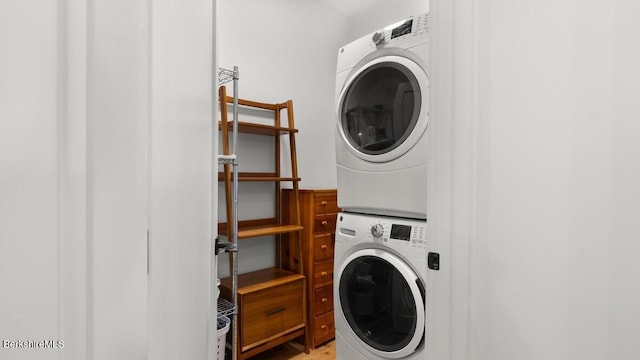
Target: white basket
[(222, 335)]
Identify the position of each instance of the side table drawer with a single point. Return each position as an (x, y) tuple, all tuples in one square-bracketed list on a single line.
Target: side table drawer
[(323, 300), (325, 203), (323, 247), (270, 311), (323, 274), (324, 223), (323, 328)]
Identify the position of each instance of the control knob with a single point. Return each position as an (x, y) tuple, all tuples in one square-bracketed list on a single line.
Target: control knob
[(377, 230), (378, 38)]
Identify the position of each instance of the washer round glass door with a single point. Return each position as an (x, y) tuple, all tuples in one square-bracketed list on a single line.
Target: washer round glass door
[(382, 300), (382, 110)]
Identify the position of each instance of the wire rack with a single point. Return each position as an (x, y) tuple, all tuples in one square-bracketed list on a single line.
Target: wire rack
[(225, 307), (225, 75)]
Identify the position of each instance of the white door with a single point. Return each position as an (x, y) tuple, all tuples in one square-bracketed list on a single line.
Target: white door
[(73, 249), (99, 145), (31, 225)]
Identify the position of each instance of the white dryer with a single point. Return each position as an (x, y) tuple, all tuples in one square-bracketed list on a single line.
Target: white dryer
[(382, 92), (380, 269)]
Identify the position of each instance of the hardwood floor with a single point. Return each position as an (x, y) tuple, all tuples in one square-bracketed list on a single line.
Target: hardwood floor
[(295, 351)]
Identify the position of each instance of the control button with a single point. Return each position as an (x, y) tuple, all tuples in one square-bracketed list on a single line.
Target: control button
[(377, 230), (378, 38)]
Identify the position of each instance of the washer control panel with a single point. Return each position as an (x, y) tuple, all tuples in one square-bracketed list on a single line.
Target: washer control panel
[(399, 233), (411, 233)]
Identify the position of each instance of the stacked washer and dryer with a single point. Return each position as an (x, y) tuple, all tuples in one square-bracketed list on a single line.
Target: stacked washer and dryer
[(382, 91)]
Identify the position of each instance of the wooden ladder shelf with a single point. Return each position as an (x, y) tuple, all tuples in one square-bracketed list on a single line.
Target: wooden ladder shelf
[(276, 292)]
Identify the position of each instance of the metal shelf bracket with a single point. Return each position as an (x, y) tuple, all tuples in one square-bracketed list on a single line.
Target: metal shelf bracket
[(226, 75), (228, 159)]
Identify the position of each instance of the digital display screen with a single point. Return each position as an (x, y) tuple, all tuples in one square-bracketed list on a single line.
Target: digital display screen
[(402, 29), (400, 232)]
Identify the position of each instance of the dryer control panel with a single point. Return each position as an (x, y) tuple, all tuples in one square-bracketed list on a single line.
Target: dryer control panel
[(417, 25)]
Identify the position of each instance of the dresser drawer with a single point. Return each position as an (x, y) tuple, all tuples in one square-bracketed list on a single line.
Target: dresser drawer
[(324, 223), (322, 274), (324, 328), (270, 311), (323, 300), (325, 203), (323, 247)]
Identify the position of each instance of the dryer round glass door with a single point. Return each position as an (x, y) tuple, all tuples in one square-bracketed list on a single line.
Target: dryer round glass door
[(382, 300), (383, 108)]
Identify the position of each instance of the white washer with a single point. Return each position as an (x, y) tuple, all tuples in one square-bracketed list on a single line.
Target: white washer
[(380, 269), (382, 92)]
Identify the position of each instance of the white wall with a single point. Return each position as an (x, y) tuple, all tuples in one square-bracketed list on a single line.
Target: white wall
[(285, 49), (86, 100), (382, 14), (541, 202)]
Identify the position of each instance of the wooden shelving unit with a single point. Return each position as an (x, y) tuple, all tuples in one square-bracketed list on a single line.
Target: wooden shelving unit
[(270, 303)]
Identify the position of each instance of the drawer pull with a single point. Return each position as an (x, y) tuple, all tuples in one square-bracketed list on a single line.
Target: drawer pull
[(275, 311), (324, 300), (323, 327), (323, 274), (324, 247), (324, 222), (323, 203)]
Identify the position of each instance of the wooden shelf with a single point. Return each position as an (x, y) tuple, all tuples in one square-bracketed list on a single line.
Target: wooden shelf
[(259, 129), (256, 104), (262, 279), (260, 227), (255, 176)]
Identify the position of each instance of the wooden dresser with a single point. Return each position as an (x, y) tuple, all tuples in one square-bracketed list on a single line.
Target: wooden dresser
[(318, 211)]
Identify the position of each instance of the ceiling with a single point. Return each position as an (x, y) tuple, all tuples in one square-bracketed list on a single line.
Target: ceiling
[(349, 8)]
